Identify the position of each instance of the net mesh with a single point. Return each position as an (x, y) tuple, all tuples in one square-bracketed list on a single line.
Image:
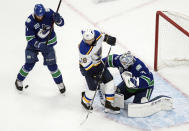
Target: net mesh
[(173, 45)]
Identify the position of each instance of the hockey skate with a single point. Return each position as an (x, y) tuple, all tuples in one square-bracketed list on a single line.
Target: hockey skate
[(62, 88), (19, 85), (109, 108), (85, 105)]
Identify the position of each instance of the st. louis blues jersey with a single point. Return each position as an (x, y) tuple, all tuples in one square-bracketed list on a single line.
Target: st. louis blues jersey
[(138, 69), (37, 31), (90, 55)]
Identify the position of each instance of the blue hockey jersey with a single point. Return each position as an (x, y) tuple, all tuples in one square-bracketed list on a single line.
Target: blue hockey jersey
[(37, 31), (138, 69)]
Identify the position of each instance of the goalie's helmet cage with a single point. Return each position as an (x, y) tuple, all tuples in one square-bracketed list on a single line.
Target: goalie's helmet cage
[(88, 34), (127, 59), (39, 10)]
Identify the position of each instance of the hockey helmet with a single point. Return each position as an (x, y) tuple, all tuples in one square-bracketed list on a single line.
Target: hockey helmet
[(39, 10), (126, 59), (88, 34)]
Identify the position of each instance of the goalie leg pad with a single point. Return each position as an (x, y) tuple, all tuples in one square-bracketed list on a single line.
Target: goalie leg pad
[(157, 104), (119, 100)]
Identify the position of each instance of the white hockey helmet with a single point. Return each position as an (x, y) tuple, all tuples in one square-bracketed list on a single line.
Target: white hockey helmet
[(126, 59), (88, 34)]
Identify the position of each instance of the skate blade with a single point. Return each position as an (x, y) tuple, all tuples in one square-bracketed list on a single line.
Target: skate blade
[(111, 111)]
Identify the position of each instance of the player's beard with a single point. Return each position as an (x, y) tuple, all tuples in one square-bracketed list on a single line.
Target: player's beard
[(38, 20)]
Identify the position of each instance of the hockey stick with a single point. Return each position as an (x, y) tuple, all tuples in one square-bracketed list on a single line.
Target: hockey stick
[(48, 37), (98, 85)]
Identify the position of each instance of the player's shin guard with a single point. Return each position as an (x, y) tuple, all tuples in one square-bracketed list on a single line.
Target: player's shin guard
[(57, 77), (86, 98), (26, 68), (109, 94)]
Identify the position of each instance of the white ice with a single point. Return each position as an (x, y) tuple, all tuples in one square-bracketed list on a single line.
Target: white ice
[(41, 107)]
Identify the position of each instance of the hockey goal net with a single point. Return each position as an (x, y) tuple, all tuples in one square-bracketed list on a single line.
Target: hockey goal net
[(171, 40)]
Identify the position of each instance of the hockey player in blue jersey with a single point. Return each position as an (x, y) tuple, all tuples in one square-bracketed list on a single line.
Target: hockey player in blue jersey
[(137, 79), (91, 67), (37, 34)]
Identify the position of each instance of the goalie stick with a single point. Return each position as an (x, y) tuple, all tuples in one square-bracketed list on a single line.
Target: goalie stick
[(98, 85)]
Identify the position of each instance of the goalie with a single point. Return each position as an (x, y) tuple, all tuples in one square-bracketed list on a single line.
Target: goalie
[(138, 82)]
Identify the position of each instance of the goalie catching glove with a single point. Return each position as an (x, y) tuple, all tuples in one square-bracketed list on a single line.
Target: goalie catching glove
[(131, 82)]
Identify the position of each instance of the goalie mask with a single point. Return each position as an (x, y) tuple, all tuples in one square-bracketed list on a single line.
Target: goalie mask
[(126, 59)]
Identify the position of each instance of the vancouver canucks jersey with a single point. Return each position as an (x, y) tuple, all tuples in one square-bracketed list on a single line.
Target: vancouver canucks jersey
[(90, 55), (138, 69), (37, 31)]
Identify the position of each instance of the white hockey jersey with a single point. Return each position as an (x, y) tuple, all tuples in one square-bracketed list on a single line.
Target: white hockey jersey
[(90, 55)]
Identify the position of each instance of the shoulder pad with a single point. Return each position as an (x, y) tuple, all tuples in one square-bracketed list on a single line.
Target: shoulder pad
[(97, 34), (84, 48), (28, 20)]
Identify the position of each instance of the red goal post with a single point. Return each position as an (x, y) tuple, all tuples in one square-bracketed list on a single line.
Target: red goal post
[(157, 29)]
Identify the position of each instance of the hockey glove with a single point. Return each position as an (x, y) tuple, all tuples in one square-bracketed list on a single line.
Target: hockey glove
[(42, 47), (57, 18), (96, 71), (131, 82), (110, 39)]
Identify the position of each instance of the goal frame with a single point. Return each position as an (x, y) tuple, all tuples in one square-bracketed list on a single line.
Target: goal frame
[(169, 20)]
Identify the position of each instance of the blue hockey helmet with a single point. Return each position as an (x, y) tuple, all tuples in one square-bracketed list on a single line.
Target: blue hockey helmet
[(39, 10), (127, 59)]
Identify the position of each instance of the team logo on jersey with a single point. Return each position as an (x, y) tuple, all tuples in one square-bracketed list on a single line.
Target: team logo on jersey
[(138, 67), (45, 27), (28, 20)]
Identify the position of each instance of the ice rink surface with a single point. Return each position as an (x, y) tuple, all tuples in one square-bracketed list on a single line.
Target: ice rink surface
[(42, 108)]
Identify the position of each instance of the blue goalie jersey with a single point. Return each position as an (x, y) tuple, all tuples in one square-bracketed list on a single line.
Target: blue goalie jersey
[(138, 69), (37, 31)]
